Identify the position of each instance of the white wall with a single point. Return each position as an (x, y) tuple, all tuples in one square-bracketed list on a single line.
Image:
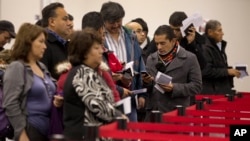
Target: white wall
[(233, 14)]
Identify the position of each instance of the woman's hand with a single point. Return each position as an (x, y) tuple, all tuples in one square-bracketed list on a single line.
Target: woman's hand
[(125, 117), (58, 101)]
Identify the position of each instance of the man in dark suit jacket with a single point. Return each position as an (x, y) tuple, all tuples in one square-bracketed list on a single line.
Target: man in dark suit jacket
[(56, 20), (217, 76)]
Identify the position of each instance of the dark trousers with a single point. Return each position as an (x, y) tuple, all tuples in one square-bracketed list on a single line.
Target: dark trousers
[(34, 134)]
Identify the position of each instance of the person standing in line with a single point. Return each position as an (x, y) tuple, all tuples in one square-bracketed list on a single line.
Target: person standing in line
[(217, 76), (88, 99), (193, 41), (145, 44), (7, 32), (137, 30), (172, 60), (94, 20), (56, 21), (125, 46), (28, 99), (140, 36)]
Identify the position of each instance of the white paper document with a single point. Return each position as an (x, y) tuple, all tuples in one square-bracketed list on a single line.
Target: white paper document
[(195, 20), (135, 92), (136, 102), (157, 86), (243, 70), (161, 78), (126, 104), (130, 65), (144, 90)]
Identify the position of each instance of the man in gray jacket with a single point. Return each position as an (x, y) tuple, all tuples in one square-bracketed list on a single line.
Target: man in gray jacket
[(174, 61)]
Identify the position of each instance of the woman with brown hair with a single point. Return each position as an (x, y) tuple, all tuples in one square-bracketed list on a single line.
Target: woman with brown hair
[(28, 86), (88, 100)]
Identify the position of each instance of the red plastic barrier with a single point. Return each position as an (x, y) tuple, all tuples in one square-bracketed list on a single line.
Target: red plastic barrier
[(146, 132)]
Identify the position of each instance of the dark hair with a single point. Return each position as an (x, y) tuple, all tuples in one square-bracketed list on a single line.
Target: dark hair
[(50, 11), (177, 17), (26, 35), (71, 18), (81, 43), (7, 26), (39, 22), (142, 23), (92, 19), (211, 24), (112, 11), (165, 30)]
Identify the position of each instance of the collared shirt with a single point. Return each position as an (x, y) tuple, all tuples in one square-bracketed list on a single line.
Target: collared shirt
[(41, 93), (144, 44), (219, 44), (117, 46), (59, 38)]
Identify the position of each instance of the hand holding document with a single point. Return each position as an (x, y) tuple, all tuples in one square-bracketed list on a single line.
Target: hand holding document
[(162, 79), (128, 70), (130, 65), (124, 105), (144, 90), (195, 20), (243, 70)]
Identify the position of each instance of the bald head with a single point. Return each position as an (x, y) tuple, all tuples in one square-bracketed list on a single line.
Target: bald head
[(133, 25), (137, 28)]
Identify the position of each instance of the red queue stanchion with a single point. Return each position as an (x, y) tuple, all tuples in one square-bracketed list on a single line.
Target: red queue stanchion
[(208, 120), (156, 116), (158, 132), (214, 111)]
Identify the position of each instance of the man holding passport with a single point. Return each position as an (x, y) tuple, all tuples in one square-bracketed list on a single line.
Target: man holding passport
[(180, 69)]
